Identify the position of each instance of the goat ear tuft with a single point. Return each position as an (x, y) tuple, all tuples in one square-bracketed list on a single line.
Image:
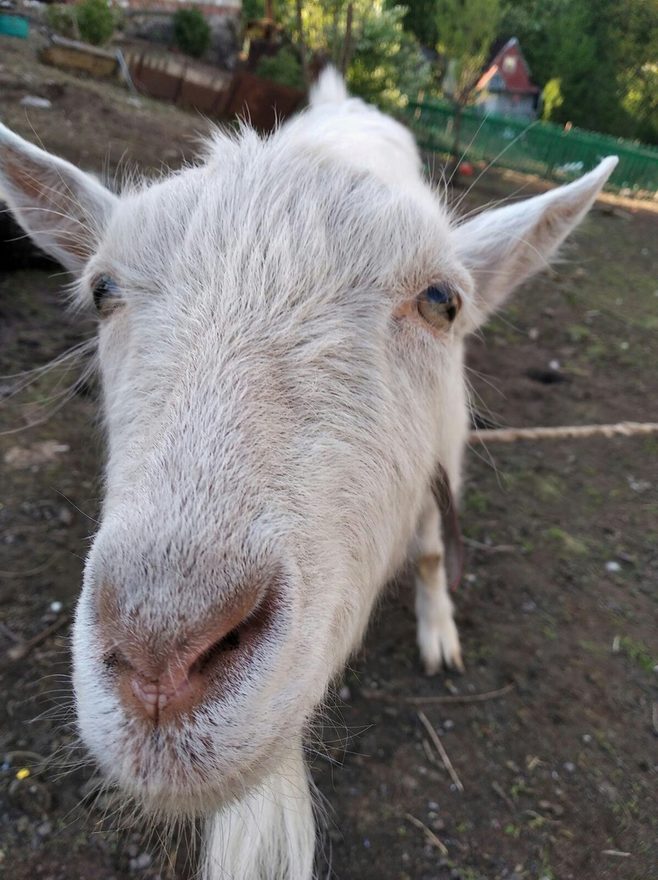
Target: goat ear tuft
[(60, 207), (505, 246)]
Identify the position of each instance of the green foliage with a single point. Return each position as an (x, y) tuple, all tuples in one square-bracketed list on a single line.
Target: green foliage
[(191, 32), (604, 54), (420, 19), (96, 21), (283, 68), (61, 18), (466, 28), (252, 10), (385, 64), (553, 99)]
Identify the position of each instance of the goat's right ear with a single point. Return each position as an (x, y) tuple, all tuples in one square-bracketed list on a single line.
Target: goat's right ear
[(60, 207), (505, 246)]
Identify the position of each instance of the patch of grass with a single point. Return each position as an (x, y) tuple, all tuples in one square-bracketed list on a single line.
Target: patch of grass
[(596, 351), (651, 444), (594, 648), (549, 487), (570, 544), (512, 831), (549, 631), (518, 788), (578, 332), (637, 653), (546, 871), (476, 501)]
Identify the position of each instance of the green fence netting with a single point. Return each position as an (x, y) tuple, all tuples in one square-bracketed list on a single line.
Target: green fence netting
[(536, 148)]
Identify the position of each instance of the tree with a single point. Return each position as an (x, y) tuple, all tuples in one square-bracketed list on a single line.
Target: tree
[(95, 20), (191, 32), (467, 28), (603, 53), (420, 20), (382, 62), (386, 65)]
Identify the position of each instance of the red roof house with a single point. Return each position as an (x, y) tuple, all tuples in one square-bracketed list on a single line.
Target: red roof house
[(505, 86)]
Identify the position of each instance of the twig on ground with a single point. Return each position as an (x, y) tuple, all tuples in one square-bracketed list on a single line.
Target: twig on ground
[(490, 548), (30, 571), (563, 432), (447, 763), (615, 852), (429, 754), (9, 632), (22, 649), (431, 836), (431, 701), (500, 791)]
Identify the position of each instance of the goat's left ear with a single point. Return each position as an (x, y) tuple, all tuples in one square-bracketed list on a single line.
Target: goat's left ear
[(60, 207), (505, 246)]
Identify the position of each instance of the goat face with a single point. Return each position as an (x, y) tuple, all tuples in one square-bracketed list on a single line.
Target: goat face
[(280, 346), (275, 407)]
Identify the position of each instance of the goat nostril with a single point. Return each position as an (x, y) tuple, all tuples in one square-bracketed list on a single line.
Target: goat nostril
[(229, 642), (166, 682)]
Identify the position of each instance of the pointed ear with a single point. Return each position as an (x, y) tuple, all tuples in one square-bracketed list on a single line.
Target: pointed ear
[(61, 208), (505, 246)]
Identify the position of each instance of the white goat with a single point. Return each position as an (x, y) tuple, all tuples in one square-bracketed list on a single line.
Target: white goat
[(281, 350)]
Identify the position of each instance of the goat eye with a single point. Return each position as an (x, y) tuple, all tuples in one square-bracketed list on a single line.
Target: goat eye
[(106, 295), (439, 305)]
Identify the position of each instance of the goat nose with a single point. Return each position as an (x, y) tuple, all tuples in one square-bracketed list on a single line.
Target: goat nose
[(161, 678), (172, 689)]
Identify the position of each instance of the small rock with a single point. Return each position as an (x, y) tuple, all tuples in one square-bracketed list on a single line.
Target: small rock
[(65, 516), (570, 767), (44, 829), (612, 566), (35, 101), (533, 333), (550, 807), (143, 860), (638, 485), (587, 738), (19, 457), (554, 365)]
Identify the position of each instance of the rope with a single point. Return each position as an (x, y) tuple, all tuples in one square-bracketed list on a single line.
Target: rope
[(509, 435)]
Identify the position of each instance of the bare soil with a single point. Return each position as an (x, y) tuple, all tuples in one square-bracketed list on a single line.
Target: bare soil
[(560, 772)]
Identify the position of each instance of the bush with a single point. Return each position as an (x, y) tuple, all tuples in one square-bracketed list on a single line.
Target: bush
[(95, 20), (387, 66), (191, 32), (284, 68), (62, 19)]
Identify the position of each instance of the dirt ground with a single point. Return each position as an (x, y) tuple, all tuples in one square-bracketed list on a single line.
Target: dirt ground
[(559, 604)]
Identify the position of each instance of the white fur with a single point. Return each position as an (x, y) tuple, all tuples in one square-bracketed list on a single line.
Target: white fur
[(275, 409)]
